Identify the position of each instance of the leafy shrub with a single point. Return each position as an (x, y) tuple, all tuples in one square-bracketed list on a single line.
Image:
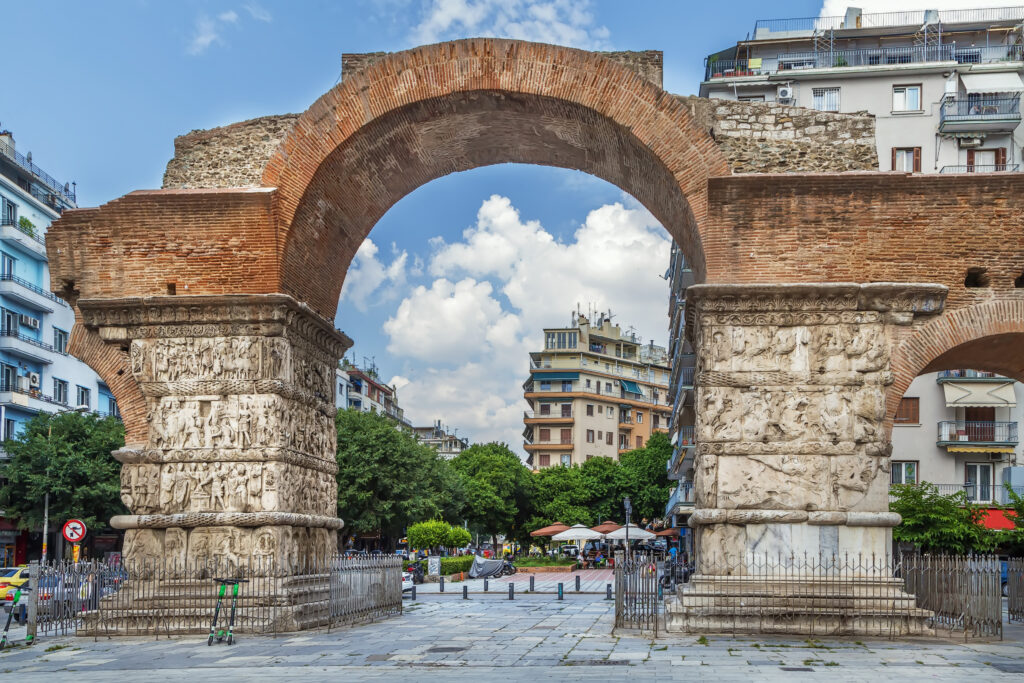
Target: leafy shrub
[(454, 565), (457, 537), (432, 534)]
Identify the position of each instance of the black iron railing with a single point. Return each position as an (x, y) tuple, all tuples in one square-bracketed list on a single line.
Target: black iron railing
[(882, 19), (980, 109), (5, 332), (10, 277), (44, 177), (977, 431)]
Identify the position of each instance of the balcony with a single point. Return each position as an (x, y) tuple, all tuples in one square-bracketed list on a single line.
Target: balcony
[(682, 497), (968, 376), (27, 293), (550, 445), (807, 26), (976, 493), (31, 241), (957, 115), (64, 192), (533, 417), (683, 442), (981, 168), (18, 344), (31, 400), (954, 433), (794, 62)]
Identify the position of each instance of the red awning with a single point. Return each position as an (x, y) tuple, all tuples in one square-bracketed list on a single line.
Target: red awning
[(606, 527), (674, 531), (555, 528), (996, 518)]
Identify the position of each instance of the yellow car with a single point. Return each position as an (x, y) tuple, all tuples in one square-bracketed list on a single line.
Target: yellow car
[(12, 577)]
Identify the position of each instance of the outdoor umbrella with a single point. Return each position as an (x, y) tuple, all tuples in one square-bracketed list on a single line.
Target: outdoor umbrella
[(555, 528), (606, 527), (635, 534), (577, 532), (674, 531)]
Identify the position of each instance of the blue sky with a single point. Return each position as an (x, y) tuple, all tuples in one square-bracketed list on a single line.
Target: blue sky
[(98, 91)]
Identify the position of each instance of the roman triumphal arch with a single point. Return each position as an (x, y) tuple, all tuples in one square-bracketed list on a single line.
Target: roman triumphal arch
[(208, 309)]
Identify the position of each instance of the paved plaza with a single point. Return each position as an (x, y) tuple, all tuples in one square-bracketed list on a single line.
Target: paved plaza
[(591, 581), (531, 638)]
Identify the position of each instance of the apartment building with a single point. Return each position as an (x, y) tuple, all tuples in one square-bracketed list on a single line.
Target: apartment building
[(447, 443), (944, 85), (36, 372), (958, 429), (593, 391), (362, 389)]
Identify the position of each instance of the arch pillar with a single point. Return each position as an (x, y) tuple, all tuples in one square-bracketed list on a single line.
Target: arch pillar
[(236, 461), (792, 454)]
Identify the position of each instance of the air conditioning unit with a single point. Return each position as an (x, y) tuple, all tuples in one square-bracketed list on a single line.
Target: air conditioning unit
[(23, 383), (29, 321), (34, 380), (784, 94), (970, 143), (996, 457)]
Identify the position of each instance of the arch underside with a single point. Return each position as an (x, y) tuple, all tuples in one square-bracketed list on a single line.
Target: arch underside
[(397, 153)]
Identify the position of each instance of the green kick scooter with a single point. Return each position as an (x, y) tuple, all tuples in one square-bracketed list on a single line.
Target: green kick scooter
[(10, 615), (221, 634)]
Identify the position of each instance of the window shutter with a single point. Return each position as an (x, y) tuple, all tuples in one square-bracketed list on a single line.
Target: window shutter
[(970, 161), (917, 160), (1001, 159), (892, 165)]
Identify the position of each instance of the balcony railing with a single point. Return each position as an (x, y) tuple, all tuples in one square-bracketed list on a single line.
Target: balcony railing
[(947, 375), (977, 493), (10, 277), (980, 109), (32, 393), (44, 177), (531, 414), (860, 57), (981, 168), (4, 332), (970, 431), (883, 19), (33, 233), (682, 495)]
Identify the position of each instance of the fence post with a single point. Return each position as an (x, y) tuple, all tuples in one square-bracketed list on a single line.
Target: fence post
[(531, 582), (486, 585), (577, 583), (465, 592), (413, 596), (33, 602), (511, 591), (608, 592)]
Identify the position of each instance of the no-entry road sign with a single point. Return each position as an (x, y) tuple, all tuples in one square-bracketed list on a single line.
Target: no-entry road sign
[(74, 530)]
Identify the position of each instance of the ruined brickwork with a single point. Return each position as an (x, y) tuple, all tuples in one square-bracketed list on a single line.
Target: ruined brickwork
[(229, 156), (766, 137)]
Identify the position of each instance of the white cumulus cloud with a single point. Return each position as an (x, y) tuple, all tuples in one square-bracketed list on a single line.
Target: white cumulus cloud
[(565, 22), (370, 280)]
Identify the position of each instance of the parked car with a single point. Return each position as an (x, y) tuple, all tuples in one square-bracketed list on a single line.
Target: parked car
[(11, 578), (407, 582), (569, 550)]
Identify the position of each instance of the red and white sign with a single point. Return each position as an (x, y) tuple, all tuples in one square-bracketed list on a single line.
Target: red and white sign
[(74, 530)]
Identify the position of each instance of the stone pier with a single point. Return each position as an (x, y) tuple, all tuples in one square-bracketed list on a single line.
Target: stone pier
[(792, 457)]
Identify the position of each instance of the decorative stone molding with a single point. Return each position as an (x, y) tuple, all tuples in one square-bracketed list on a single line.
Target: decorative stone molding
[(219, 519), (706, 516)]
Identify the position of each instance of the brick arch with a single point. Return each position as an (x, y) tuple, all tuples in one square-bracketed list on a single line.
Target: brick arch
[(986, 336), (421, 114)]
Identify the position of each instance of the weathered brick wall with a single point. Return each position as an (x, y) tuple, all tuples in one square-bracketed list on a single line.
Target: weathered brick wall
[(229, 156), (766, 137)]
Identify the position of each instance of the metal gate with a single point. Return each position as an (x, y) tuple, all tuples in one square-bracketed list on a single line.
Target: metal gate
[(1015, 588), (636, 593)]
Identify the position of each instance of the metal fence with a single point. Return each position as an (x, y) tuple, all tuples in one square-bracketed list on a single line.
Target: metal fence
[(636, 593), (171, 598), (1015, 589), (883, 596)]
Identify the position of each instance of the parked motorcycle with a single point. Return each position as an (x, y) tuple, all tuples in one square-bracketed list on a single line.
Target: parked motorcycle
[(417, 571), (508, 569)]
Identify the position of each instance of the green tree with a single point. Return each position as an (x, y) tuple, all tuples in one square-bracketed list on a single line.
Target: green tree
[(67, 455), (1012, 540), (387, 480), (938, 523), (645, 478), (457, 537), (498, 489), (428, 535)]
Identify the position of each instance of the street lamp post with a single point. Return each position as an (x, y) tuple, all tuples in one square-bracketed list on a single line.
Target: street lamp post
[(629, 511)]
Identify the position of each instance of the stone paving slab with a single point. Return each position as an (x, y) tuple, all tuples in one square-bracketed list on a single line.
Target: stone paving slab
[(540, 639), (591, 581)]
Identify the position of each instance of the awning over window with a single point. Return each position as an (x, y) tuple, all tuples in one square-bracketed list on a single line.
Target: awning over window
[(979, 449), (631, 387), (998, 394), (547, 376), (1008, 81)]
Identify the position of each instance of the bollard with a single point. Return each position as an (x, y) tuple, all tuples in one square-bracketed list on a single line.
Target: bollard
[(485, 585), (560, 592), (511, 591), (531, 582), (441, 581), (661, 592), (465, 592), (577, 583), (608, 592), (413, 595)]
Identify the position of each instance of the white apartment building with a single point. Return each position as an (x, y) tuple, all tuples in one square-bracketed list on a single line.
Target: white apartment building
[(362, 389), (944, 85), (447, 443)]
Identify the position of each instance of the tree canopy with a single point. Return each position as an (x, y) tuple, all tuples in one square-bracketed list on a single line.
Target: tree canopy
[(939, 523), (498, 489), (67, 455)]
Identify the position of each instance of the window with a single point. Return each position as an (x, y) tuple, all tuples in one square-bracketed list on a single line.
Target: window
[(6, 265), (657, 420), (544, 459), (566, 385), (826, 99), (906, 159), (9, 428), (590, 410), (906, 98), (608, 387), (986, 160), (82, 397), (60, 391), (600, 410), (751, 98), (978, 482), (588, 384), (545, 385), (561, 340), (545, 435), (639, 418), (545, 408), (903, 473), (8, 212), (908, 411), (600, 435), (608, 438), (112, 407), (566, 410), (639, 442), (566, 460), (590, 436), (566, 436)]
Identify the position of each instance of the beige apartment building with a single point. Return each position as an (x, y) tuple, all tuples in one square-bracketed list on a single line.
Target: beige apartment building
[(594, 391)]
